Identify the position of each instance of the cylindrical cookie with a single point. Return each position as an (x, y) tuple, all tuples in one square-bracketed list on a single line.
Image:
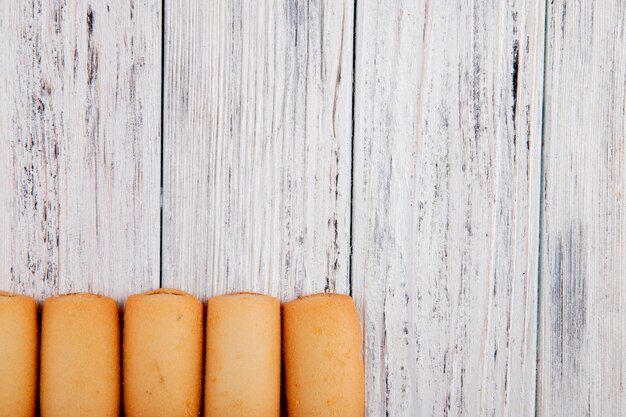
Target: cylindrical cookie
[(163, 341), (324, 371), (18, 355), (242, 356), (80, 357)]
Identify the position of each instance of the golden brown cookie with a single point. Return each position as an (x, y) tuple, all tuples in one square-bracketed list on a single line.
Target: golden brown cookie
[(324, 371), (18, 355), (163, 356), (242, 356), (80, 357)]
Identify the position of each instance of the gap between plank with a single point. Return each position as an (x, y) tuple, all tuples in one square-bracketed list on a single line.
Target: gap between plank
[(350, 250), (162, 142)]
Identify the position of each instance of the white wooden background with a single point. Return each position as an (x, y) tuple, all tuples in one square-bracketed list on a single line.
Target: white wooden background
[(459, 167)]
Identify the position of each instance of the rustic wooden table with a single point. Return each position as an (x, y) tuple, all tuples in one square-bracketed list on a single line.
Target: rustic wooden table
[(459, 167)]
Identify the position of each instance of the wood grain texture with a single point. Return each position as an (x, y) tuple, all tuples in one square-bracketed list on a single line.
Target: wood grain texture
[(463, 147), (583, 239), (79, 132), (446, 208), (257, 146)]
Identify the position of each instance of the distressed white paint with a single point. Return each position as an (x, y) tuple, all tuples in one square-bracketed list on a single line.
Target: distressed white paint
[(79, 133), (446, 214), (257, 146), (582, 347), (258, 171)]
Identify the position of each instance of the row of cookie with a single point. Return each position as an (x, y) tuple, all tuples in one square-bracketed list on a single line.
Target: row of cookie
[(164, 353)]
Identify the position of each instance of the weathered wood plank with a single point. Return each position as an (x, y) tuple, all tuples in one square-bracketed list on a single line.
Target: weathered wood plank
[(583, 239), (257, 146), (446, 204), (80, 140)]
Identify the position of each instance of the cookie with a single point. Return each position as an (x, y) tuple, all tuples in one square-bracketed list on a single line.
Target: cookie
[(18, 355), (163, 354), (243, 356), (80, 357), (324, 370)]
